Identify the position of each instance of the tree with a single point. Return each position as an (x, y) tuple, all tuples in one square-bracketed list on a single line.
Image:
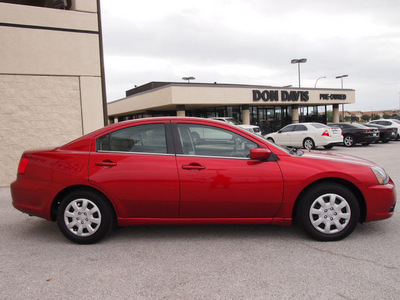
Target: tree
[(386, 116), (376, 117), (354, 118), (366, 118)]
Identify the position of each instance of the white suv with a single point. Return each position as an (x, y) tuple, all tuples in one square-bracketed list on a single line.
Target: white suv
[(252, 128)]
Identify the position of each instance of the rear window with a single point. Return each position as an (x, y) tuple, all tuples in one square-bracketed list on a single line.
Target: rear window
[(319, 125), (358, 125)]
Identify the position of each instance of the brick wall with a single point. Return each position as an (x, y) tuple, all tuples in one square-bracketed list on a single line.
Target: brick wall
[(36, 112)]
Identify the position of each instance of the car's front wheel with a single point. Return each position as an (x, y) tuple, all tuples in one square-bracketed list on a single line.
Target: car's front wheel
[(85, 217), (328, 212)]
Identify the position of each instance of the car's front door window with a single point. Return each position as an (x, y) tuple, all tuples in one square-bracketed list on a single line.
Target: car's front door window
[(204, 140)]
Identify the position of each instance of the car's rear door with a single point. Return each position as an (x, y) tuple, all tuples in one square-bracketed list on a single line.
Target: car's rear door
[(136, 168), (218, 180), (298, 135)]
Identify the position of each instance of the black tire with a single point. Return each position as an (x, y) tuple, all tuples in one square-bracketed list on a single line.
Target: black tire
[(328, 212), (308, 144), (365, 144), (327, 147), (385, 141), (85, 217), (270, 140), (349, 141)]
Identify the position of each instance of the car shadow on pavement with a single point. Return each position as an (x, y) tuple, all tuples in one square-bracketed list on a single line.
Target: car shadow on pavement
[(209, 232)]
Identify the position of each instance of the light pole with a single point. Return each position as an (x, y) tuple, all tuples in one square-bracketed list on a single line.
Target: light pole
[(298, 62), (315, 85), (188, 78), (341, 79)]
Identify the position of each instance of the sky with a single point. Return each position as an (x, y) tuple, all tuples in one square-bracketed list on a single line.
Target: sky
[(253, 42)]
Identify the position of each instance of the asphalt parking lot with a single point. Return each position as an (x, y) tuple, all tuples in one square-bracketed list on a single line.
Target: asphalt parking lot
[(203, 262)]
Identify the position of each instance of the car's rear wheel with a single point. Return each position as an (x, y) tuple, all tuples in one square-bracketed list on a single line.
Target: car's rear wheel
[(328, 212), (308, 144), (85, 217), (349, 141)]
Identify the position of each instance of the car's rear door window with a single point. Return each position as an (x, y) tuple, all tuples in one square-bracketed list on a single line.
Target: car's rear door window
[(148, 138)]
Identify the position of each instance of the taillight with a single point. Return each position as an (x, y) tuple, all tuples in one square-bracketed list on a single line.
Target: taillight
[(326, 133), (367, 130), (23, 163)]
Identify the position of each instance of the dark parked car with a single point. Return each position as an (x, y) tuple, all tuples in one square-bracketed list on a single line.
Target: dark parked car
[(354, 133), (387, 133)]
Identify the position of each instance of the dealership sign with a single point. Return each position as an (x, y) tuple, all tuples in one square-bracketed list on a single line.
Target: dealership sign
[(291, 96)]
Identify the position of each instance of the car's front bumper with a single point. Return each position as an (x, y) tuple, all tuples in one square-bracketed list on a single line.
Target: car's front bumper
[(380, 201)]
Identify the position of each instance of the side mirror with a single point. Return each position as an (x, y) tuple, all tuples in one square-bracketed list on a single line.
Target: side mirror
[(260, 154), (279, 131)]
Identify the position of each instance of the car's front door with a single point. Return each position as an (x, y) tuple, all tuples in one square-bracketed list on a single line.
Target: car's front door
[(284, 136), (137, 171), (217, 178)]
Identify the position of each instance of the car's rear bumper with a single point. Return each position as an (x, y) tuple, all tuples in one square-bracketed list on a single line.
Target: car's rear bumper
[(330, 141), (33, 197)]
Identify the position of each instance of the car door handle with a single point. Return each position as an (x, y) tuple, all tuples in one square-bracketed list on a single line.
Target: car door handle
[(105, 163), (193, 167)]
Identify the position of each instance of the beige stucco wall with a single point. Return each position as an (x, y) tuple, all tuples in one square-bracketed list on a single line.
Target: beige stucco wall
[(92, 111), (50, 78), (36, 111)]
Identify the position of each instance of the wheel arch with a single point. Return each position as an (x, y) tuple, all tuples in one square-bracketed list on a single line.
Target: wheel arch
[(312, 140), (351, 186), (271, 139), (57, 200)]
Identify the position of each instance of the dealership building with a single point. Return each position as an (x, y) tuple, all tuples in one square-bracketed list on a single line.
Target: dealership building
[(269, 107)]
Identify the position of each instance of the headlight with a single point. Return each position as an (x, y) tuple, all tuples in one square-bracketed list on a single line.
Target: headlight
[(380, 175)]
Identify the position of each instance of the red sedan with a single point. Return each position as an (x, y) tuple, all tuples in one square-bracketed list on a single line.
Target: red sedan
[(196, 171)]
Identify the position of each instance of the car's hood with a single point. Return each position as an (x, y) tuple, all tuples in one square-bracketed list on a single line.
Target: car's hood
[(338, 157)]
